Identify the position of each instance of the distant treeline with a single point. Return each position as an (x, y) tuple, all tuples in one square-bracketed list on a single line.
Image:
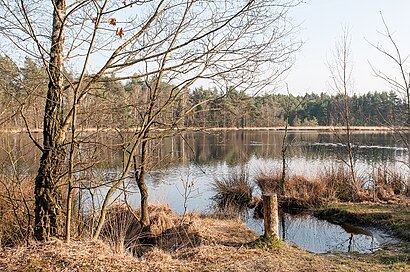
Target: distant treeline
[(116, 104), (237, 109)]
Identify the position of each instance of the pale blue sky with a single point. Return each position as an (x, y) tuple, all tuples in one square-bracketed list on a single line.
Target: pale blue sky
[(321, 26)]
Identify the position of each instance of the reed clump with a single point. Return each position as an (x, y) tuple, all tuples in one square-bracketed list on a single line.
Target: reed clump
[(334, 183), (121, 228), (233, 193), (298, 190), (388, 184), (340, 185), (305, 192), (269, 182)]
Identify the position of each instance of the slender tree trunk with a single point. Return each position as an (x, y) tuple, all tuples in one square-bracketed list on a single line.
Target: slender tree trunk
[(140, 178), (346, 116), (47, 194), (114, 188), (283, 152), (69, 207)]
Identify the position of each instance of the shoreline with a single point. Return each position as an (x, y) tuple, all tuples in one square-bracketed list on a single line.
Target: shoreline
[(355, 129)]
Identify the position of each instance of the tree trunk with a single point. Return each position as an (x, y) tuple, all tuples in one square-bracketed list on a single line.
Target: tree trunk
[(283, 152), (113, 188), (140, 178), (47, 194), (270, 216), (70, 196)]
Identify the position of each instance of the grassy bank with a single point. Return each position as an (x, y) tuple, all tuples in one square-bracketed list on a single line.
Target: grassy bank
[(394, 218), (226, 245)]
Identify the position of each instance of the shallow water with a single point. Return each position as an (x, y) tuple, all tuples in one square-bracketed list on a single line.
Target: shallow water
[(321, 236)]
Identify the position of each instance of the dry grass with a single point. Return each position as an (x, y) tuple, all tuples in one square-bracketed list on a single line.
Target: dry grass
[(332, 184), (299, 191), (335, 183), (268, 182), (75, 256), (224, 248), (233, 193), (387, 184), (122, 230), (340, 185), (304, 192)]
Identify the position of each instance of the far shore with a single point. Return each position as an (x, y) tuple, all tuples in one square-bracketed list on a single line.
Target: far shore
[(356, 129)]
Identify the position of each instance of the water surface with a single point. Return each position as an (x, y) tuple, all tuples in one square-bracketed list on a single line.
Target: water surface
[(200, 157)]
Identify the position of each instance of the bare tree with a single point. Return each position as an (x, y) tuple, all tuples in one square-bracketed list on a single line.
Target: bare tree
[(288, 107), (342, 83), (245, 43), (400, 83)]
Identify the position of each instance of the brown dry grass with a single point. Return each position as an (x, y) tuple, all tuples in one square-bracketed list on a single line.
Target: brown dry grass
[(75, 256), (340, 185), (268, 182), (305, 192), (388, 184), (123, 232), (335, 183), (225, 247), (299, 191)]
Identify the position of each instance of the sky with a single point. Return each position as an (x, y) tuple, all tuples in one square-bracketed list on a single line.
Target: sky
[(320, 27)]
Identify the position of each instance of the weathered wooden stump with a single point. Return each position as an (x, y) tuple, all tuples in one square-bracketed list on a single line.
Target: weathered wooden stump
[(270, 215)]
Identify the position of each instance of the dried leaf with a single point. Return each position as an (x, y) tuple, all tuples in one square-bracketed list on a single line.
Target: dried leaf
[(112, 21), (120, 32)]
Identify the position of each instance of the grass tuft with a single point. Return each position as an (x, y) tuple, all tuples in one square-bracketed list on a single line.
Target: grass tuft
[(233, 193)]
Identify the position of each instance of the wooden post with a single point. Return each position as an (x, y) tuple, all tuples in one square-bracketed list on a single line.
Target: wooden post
[(270, 216)]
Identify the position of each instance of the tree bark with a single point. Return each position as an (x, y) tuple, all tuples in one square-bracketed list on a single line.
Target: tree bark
[(270, 216), (47, 193), (142, 186)]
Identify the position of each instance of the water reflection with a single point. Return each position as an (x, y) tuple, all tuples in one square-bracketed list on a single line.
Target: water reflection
[(203, 156), (230, 147), (320, 236), (206, 155)]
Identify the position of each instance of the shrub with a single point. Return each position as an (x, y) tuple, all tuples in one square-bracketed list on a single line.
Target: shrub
[(122, 230), (16, 206)]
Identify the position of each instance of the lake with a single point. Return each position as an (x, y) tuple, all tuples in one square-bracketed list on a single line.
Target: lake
[(199, 157)]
